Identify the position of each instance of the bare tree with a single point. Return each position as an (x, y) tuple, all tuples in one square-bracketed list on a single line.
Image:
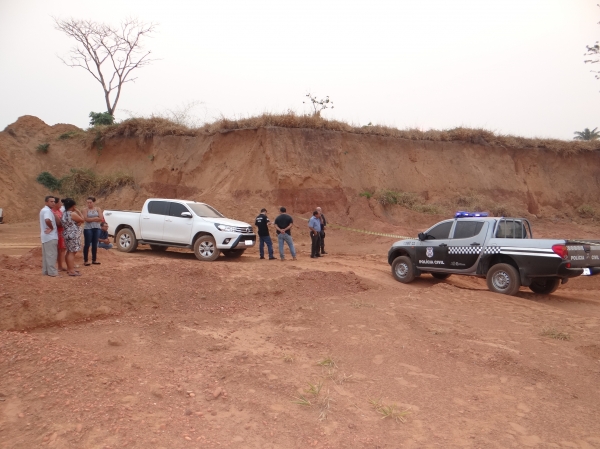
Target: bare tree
[(319, 105), (109, 54), (593, 51)]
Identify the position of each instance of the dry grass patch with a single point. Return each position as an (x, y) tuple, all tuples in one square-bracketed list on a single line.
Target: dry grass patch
[(553, 333), (389, 411), (327, 362)]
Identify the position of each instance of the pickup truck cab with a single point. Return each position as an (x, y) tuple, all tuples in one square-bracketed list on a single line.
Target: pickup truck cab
[(183, 224), (500, 249)]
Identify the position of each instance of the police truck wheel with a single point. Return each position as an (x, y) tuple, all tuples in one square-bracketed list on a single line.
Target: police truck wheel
[(441, 276), (205, 248), (126, 241), (544, 286), (403, 270), (504, 279)]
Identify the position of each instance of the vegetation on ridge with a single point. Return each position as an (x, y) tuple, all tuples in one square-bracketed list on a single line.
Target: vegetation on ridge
[(149, 127), (80, 182)]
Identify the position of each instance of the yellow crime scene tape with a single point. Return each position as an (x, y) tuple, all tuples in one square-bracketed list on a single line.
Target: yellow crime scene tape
[(363, 231)]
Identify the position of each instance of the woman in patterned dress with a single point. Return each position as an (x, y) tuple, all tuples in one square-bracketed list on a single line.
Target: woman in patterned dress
[(71, 221)]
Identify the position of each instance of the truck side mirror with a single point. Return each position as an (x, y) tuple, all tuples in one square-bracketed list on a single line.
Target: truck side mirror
[(186, 215), (422, 236)]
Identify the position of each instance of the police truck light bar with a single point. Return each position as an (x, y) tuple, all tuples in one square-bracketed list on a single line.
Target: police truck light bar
[(463, 214)]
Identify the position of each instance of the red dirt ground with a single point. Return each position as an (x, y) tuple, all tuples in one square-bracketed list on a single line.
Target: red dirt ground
[(159, 350)]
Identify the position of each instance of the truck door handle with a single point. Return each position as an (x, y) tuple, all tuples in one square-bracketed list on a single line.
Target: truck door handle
[(146, 218), (475, 244)]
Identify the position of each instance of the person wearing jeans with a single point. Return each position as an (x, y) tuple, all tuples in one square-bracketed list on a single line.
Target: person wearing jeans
[(284, 224), (91, 230), (314, 224), (262, 223)]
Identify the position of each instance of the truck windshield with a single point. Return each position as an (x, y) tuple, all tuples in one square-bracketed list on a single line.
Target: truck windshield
[(204, 210)]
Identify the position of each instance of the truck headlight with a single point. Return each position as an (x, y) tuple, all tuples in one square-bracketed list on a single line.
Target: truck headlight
[(224, 228)]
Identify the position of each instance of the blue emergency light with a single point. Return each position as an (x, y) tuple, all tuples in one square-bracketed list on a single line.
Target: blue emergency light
[(463, 214)]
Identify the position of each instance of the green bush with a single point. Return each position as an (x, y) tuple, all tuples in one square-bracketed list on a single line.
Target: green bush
[(407, 200), (502, 210), (586, 211), (68, 135), (101, 118), (366, 194), (78, 182), (48, 180), (43, 148), (83, 181)]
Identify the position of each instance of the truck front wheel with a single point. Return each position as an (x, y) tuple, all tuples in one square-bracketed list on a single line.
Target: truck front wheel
[(544, 286), (126, 240), (205, 248), (403, 270), (504, 279)]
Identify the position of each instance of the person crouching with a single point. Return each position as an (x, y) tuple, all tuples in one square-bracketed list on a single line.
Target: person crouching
[(103, 240)]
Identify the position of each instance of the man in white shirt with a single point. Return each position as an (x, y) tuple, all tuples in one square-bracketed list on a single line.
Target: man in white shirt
[(49, 237)]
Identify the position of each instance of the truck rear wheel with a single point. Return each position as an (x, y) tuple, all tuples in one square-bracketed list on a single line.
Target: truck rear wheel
[(504, 279), (403, 269), (126, 240), (544, 286), (205, 248)]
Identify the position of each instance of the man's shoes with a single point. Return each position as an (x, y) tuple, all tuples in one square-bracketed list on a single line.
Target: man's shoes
[(283, 260), (262, 257), (95, 263), (293, 258), (272, 258), (318, 255), (323, 252), (312, 257)]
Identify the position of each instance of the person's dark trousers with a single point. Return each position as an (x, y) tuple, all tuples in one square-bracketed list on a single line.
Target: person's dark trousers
[(265, 240), (322, 242), (316, 242), (90, 237)]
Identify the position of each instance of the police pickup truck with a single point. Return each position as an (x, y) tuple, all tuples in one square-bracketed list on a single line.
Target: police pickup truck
[(500, 249)]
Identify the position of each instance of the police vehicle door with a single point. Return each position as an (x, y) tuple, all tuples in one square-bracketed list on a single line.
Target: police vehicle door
[(432, 253), (465, 246)]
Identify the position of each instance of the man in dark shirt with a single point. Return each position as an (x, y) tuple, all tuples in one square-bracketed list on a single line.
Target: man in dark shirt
[(284, 224), (323, 224), (262, 222)]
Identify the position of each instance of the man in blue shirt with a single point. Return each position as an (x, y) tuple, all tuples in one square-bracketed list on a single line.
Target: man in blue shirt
[(103, 241), (314, 224)]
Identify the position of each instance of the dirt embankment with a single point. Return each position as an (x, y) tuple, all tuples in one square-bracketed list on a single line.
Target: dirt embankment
[(241, 171)]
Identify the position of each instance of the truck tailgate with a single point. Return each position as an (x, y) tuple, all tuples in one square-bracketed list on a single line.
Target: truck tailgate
[(584, 253)]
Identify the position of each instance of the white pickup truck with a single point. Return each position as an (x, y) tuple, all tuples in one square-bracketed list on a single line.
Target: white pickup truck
[(183, 224)]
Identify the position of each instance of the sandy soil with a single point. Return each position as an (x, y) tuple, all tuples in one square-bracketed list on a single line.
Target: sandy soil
[(159, 350)]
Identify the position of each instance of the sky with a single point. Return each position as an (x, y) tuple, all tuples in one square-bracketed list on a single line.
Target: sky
[(509, 66)]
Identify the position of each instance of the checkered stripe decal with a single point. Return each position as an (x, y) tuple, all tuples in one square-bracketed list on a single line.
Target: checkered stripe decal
[(492, 250), (575, 248), (464, 249)]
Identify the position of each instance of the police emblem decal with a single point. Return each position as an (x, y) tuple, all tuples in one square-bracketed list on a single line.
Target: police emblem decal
[(429, 252)]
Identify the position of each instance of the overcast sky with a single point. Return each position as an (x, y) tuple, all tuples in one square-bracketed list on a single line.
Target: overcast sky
[(510, 66)]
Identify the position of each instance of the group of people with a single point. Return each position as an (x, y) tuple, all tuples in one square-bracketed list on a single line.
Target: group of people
[(60, 227), (283, 225)]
